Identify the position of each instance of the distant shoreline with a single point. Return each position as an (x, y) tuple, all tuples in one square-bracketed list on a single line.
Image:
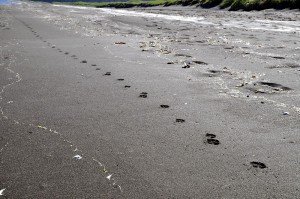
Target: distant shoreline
[(232, 5)]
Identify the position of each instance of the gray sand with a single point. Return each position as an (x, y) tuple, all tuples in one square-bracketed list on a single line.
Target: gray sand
[(175, 103)]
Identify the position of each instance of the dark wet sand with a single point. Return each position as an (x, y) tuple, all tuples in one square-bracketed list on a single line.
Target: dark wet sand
[(99, 105)]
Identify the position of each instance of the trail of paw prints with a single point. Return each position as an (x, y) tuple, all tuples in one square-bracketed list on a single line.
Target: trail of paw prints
[(66, 53), (103, 169), (211, 139), (53, 46), (84, 61), (141, 95)]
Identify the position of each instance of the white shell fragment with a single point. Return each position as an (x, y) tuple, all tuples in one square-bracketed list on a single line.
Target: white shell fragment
[(109, 176), (1, 192), (77, 157)]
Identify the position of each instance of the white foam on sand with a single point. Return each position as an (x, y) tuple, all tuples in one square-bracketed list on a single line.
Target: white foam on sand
[(267, 25), (264, 25), (120, 12)]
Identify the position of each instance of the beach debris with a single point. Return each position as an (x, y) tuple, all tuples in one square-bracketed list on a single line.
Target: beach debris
[(83, 61), (104, 170), (42, 127), (120, 42), (120, 79), (258, 165), (165, 51), (285, 113), (107, 73), (126, 86), (78, 157), (186, 65), (170, 62), (240, 85), (259, 90)]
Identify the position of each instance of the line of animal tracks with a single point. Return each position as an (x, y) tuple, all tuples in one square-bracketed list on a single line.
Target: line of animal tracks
[(148, 103)]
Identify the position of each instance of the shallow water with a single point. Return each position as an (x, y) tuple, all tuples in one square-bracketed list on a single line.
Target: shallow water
[(5, 2)]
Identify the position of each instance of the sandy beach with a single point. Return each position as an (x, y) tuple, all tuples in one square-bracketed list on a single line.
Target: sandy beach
[(162, 102)]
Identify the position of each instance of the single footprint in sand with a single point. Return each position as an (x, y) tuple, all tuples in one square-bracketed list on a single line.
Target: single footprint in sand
[(164, 106), (258, 165), (180, 120), (186, 66), (278, 57), (211, 139), (143, 95), (200, 62), (275, 85)]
